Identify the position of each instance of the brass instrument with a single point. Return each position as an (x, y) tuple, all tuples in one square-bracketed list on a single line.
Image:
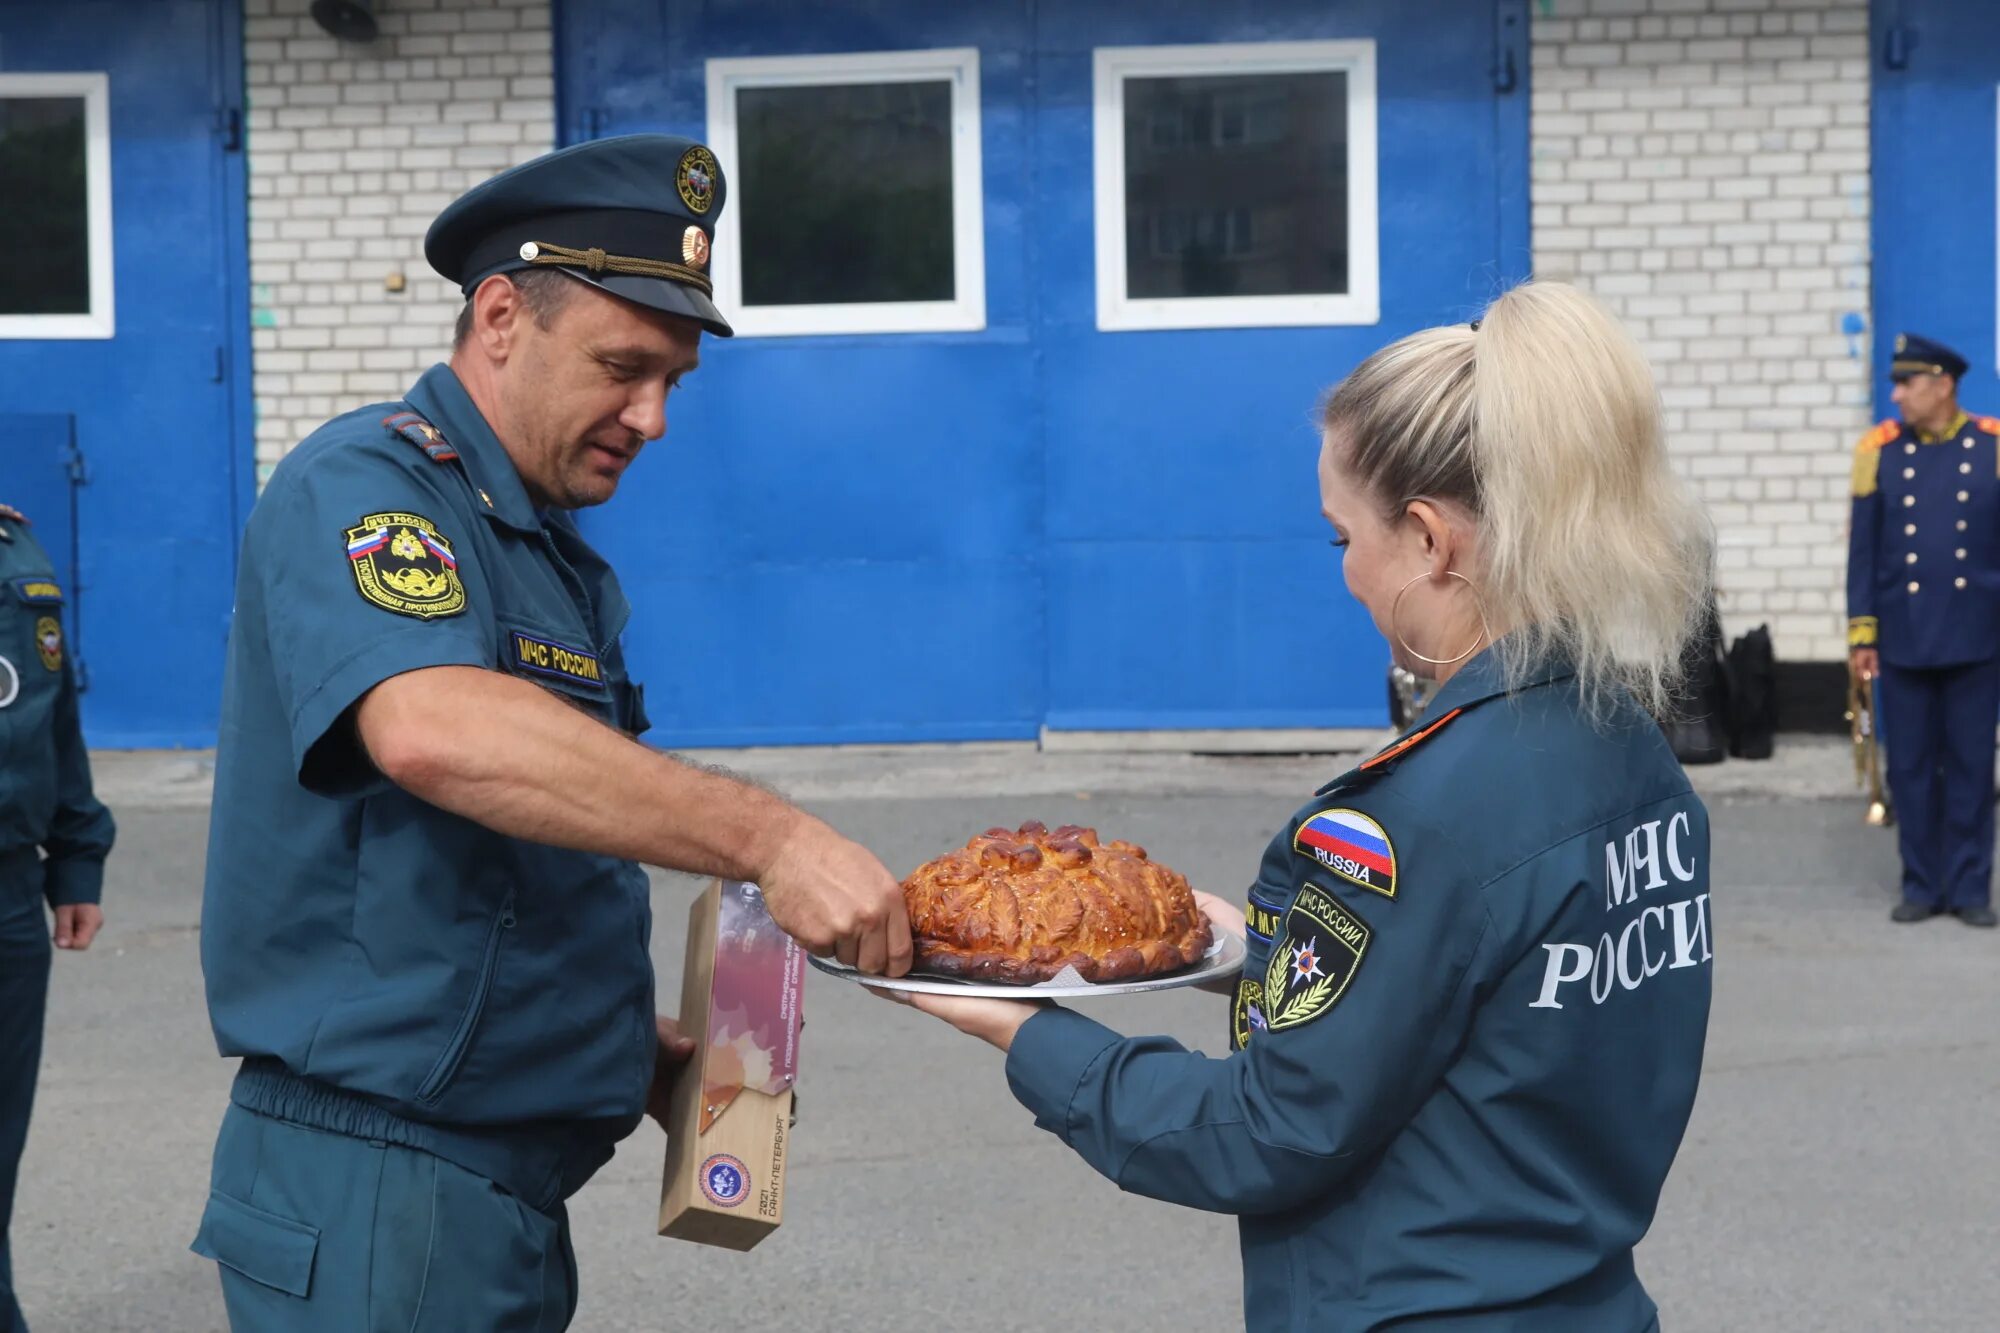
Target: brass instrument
[(1867, 749)]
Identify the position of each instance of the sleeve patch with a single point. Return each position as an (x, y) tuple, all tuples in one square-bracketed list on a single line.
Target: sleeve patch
[(1352, 846), (1246, 1016), (38, 591), (546, 657), (1313, 961), (402, 563)]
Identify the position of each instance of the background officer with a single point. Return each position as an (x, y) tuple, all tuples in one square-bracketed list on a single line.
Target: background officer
[(1923, 607), (54, 836), (424, 925)]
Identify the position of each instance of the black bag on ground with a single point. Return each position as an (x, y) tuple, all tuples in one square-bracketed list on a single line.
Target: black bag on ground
[(1753, 695), (1698, 729)]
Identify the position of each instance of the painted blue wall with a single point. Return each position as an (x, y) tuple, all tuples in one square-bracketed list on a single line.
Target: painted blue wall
[(974, 535), (161, 410), (1936, 101)]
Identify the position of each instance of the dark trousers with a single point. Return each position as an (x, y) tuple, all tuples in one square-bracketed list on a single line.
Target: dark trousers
[(24, 993), (315, 1232), (1937, 731)]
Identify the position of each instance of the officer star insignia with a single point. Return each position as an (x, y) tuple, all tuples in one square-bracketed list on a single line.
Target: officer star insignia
[(402, 563)]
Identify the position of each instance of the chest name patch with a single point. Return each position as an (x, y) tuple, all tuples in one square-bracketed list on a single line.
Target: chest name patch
[(1261, 921), (545, 657), (1352, 846), (402, 563), (38, 591), (1314, 960)]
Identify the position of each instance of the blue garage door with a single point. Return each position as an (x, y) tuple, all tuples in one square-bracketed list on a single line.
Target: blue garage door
[(1050, 513), (129, 327), (1936, 103)]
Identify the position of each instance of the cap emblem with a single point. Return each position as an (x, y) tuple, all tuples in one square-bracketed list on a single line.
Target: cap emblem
[(695, 179), (694, 247)]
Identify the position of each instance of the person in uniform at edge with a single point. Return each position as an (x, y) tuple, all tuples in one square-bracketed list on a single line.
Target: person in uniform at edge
[(54, 836), (425, 927), (1468, 1032), (1923, 608)]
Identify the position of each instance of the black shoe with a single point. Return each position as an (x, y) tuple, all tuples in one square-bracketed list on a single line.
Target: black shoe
[(1906, 912), (1978, 916)]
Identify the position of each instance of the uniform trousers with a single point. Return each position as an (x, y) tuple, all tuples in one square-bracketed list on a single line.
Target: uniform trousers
[(25, 955), (24, 991), (317, 1232), (1937, 737)]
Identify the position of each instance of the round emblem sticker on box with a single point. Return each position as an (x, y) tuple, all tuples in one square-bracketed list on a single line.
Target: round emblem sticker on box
[(725, 1181)]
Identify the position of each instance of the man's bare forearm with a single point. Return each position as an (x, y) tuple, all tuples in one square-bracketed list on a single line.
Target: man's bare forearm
[(513, 757)]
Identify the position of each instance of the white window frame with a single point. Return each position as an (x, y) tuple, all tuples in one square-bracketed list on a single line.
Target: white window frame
[(95, 90), (966, 311), (1360, 304)]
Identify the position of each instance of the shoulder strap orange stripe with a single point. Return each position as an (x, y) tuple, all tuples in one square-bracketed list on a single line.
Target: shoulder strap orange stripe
[(1410, 742)]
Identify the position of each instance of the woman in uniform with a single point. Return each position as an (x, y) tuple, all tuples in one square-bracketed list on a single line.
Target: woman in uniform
[(1466, 1041)]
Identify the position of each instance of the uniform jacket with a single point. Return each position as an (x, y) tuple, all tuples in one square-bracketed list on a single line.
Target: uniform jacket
[(352, 933), (1923, 547), (46, 800), (1466, 1040)]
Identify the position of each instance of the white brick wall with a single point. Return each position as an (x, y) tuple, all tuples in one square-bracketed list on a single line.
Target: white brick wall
[(353, 149), (1702, 165)]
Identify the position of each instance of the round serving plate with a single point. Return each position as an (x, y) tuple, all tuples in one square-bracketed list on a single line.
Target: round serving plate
[(1224, 958)]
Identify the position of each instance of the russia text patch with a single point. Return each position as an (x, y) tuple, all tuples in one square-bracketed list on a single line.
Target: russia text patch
[(545, 657), (1352, 846)]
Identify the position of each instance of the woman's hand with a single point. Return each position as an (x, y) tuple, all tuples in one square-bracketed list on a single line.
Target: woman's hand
[(1222, 914), (992, 1021)]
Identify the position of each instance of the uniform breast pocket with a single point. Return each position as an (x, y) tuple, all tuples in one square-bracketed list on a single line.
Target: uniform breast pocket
[(562, 661)]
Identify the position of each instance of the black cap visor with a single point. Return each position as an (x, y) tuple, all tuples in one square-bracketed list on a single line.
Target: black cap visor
[(663, 294)]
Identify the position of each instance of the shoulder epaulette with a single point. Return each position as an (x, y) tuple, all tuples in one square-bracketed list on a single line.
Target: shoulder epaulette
[(1410, 742), (412, 427), (1883, 434), (1991, 425)]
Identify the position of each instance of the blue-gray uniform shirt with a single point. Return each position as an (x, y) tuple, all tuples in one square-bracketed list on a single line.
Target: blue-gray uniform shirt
[(1469, 1032), (393, 970), (46, 800)]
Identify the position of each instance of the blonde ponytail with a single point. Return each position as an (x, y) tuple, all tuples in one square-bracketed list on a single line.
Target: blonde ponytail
[(1545, 423)]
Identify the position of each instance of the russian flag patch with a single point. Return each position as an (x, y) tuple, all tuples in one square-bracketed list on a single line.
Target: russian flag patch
[(1352, 846)]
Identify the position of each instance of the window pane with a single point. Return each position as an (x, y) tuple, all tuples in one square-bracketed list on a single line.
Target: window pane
[(1236, 185), (45, 223), (846, 193)]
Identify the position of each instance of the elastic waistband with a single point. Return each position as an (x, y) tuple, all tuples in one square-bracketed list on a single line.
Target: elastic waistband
[(540, 1164)]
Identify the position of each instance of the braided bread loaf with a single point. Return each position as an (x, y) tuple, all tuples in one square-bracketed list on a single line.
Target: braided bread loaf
[(1018, 905)]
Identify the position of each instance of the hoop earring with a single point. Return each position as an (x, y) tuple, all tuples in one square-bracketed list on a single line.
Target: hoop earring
[(1485, 631)]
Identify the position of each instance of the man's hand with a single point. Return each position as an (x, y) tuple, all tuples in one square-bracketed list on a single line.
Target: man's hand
[(1866, 664), (834, 897), (77, 925), (675, 1052)]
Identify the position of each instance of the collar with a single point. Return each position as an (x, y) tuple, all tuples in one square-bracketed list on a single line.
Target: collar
[(443, 401), (1481, 679), (1473, 684), (1949, 432)]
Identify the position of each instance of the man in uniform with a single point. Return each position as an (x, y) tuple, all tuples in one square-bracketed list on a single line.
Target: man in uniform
[(54, 835), (424, 927), (1923, 607)]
